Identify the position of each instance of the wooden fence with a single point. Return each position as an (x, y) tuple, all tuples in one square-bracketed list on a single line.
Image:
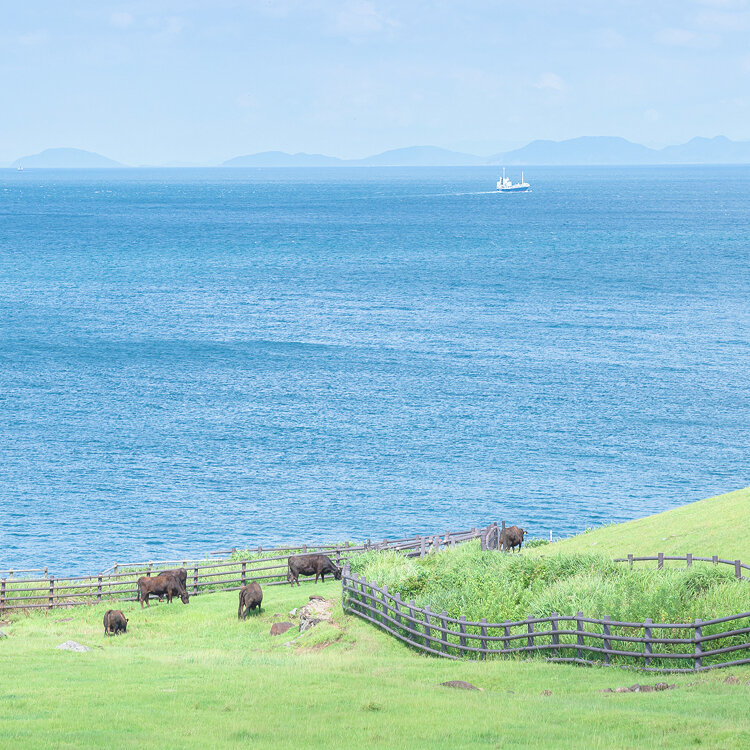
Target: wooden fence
[(660, 558), (266, 565), (654, 647)]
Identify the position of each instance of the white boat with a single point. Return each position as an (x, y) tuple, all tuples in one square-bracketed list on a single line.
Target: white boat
[(19, 168), (506, 185)]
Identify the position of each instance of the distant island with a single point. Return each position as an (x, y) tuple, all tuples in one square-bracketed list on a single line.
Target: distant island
[(65, 158), (586, 150)]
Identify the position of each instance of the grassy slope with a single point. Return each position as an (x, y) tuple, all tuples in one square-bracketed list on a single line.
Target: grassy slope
[(717, 526), (194, 677)]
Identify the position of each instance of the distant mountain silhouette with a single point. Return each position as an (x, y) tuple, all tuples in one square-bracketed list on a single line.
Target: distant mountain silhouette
[(282, 159), (718, 150), (413, 156), (584, 150), (421, 156), (65, 158)]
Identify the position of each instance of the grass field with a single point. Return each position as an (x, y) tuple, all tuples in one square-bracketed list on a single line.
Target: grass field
[(717, 526), (192, 676)]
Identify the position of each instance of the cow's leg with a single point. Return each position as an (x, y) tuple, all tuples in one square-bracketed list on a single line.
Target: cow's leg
[(323, 577)]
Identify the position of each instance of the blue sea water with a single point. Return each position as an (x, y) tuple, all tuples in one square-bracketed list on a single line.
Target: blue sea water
[(197, 359)]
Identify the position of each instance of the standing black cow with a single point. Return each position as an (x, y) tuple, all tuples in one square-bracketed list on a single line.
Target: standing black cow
[(309, 565), (165, 584), (251, 597), (514, 538)]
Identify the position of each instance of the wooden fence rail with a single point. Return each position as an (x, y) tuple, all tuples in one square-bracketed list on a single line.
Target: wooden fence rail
[(121, 584), (650, 646), (660, 558)]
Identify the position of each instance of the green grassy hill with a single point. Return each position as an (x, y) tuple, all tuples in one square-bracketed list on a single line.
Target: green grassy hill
[(192, 676), (717, 526)]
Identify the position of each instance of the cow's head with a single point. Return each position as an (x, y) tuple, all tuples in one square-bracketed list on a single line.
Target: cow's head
[(337, 573), (185, 597), (523, 532)]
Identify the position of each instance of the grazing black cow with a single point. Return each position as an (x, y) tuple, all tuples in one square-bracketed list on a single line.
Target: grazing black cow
[(514, 537), (165, 584), (179, 573), (115, 622), (309, 565), (251, 597)]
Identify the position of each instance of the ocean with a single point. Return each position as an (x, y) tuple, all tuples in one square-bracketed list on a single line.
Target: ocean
[(192, 360)]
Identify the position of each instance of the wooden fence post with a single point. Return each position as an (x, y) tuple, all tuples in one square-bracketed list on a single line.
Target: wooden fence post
[(444, 634), (715, 559), (555, 635), (195, 580), (422, 546), (435, 544), (462, 628), (412, 624), (99, 588), (483, 641), (243, 572), (630, 560), (530, 629), (738, 568), (385, 604), (2, 594), (51, 602), (660, 562), (648, 649), (698, 648), (150, 565), (689, 559), (502, 539), (607, 642), (427, 629), (579, 635), (115, 566), (397, 605)]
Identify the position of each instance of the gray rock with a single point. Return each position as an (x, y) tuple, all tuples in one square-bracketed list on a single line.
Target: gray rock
[(73, 646), (3, 634), (308, 622), (293, 612), (460, 684)]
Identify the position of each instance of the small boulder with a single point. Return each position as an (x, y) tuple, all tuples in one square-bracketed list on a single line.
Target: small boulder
[(460, 684), (307, 623), (73, 646), (3, 634), (317, 610), (293, 612), (279, 628), (732, 680)]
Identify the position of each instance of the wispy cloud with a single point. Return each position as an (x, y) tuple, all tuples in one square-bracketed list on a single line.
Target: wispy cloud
[(121, 20), (33, 38), (681, 37), (550, 82), (360, 18)]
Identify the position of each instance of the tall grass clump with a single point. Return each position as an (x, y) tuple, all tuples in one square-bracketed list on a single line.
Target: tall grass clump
[(506, 587)]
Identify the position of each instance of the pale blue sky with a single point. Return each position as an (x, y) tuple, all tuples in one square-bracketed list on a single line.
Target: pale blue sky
[(154, 81)]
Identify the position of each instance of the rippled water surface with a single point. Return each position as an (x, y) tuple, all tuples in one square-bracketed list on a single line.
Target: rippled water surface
[(191, 360)]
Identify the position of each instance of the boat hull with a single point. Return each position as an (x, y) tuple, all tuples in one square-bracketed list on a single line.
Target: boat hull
[(524, 189)]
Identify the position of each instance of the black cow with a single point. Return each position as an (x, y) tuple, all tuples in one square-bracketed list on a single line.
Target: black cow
[(165, 584), (514, 537), (115, 622), (251, 597), (308, 565)]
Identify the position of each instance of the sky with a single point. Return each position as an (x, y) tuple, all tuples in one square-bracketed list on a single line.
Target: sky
[(182, 81)]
